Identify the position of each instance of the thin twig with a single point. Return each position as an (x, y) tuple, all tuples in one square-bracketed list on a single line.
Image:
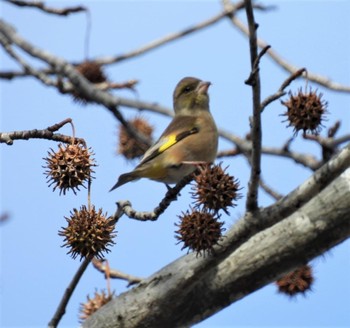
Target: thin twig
[(171, 37), (67, 294), (67, 87), (273, 193), (229, 11), (316, 78), (44, 78), (256, 133), (82, 85), (228, 153), (306, 160), (41, 5), (48, 134), (113, 273), (328, 144), (280, 93), (252, 76)]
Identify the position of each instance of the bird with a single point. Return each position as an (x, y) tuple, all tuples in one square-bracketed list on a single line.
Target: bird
[(190, 139)]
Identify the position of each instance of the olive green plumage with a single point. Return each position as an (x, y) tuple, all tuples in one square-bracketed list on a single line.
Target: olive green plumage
[(190, 138)]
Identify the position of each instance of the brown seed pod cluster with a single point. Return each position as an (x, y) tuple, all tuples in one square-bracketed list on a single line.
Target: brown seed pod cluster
[(297, 281), (199, 231), (89, 233), (93, 72), (215, 189), (93, 304), (305, 111), (130, 147), (69, 167)]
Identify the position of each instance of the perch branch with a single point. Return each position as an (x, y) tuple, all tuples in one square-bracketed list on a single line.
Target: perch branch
[(125, 207)]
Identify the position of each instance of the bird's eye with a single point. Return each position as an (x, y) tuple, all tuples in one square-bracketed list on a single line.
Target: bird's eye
[(187, 89)]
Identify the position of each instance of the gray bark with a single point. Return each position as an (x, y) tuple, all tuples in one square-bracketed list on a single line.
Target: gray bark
[(258, 249)]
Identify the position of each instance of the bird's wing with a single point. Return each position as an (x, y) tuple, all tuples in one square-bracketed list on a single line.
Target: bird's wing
[(180, 128)]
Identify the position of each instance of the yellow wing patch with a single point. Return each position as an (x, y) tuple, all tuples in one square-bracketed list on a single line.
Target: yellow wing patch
[(165, 143), (172, 140)]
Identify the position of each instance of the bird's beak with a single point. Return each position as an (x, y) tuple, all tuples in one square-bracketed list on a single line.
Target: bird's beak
[(203, 87)]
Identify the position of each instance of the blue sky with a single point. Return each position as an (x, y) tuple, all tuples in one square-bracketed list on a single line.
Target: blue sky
[(35, 270)]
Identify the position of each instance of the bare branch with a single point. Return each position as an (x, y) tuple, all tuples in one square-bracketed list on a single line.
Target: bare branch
[(251, 256), (171, 37), (280, 93), (125, 207), (48, 133), (306, 160), (41, 5), (26, 67), (316, 78), (273, 193), (113, 273), (254, 81), (228, 153), (329, 145), (255, 67), (67, 294), (81, 84)]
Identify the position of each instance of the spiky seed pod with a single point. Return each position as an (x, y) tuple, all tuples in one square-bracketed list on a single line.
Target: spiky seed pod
[(214, 189), (297, 281), (93, 304), (129, 147), (199, 231), (93, 72), (305, 111), (89, 233), (69, 167)]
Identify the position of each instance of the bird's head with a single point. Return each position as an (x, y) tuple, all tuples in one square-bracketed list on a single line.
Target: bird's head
[(191, 94)]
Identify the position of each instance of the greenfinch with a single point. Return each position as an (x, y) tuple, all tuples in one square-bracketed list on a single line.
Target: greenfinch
[(190, 139)]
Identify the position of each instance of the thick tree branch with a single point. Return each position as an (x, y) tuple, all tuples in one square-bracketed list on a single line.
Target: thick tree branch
[(190, 289)]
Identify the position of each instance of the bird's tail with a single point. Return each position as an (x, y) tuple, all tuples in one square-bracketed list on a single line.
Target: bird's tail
[(124, 178)]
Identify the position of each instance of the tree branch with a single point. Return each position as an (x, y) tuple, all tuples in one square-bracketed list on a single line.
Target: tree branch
[(255, 252), (316, 78), (125, 207), (280, 93), (41, 5), (256, 133), (61, 310), (48, 133), (113, 273), (171, 37), (82, 85)]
